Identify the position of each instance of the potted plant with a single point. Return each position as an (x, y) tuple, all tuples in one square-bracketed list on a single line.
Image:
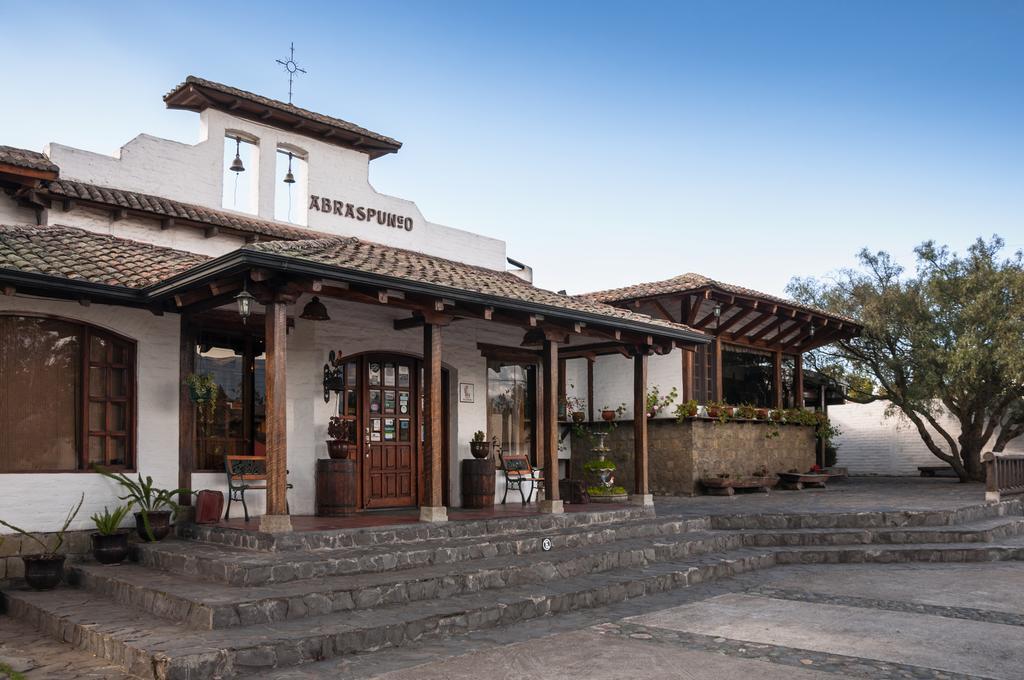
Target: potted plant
[(746, 412), (110, 542), (156, 506), (340, 432), (761, 413), (688, 409), (479, 446), (719, 410), (656, 403), (43, 571), (202, 391), (609, 414), (576, 408)]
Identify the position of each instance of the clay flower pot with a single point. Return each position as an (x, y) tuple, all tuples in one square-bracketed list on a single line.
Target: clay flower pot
[(578, 417), (608, 415), (159, 522), (714, 411), (480, 450), (110, 548), (337, 449), (761, 414), (43, 572)]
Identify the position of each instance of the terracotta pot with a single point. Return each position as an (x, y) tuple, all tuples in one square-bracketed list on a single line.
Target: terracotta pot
[(480, 449), (728, 411), (761, 414), (776, 416), (159, 522), (110, 548), (43, 572), (608, 415), (713, 411), (338, 450)]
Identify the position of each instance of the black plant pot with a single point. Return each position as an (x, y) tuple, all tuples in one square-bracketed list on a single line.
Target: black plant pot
[(480, 450), (43, 572), (159, 522), (110, 549)]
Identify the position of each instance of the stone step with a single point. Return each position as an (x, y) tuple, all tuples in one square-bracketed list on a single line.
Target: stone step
[(243, 567), (984, 531), (207, 605), (1010, 549), (411, 532), (151, 649), (868, 519)]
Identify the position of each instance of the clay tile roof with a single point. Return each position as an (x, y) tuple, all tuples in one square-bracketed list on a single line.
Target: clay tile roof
[(72, 253), (197, 94), (165, 207), (407, 265), (685, 283), (23, 158)]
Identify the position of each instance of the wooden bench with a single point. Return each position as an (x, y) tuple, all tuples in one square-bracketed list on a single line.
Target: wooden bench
[(245, 473), (518, 471)]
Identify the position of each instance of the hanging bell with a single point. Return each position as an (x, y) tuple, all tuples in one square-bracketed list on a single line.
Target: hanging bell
[(236, 165), (314, 310), (289, 178)]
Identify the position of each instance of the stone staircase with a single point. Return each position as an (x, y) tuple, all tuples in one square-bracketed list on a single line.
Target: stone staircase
[(225, 604)]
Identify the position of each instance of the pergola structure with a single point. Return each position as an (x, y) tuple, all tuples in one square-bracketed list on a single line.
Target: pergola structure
[(437, 293), (731, 315)]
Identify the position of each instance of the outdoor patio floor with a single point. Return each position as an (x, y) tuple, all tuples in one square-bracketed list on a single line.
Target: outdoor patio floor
[(856, 494)]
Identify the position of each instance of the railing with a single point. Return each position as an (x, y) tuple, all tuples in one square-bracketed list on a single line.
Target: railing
[(1004, 475)]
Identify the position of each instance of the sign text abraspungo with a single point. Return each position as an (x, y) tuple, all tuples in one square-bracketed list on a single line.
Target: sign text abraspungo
[(361, 213)]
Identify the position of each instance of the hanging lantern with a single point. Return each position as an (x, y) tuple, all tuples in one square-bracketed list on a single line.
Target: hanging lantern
[(244, 301), (314, 311), (811, 332), (236, 165), (718, 309), (289, 178)]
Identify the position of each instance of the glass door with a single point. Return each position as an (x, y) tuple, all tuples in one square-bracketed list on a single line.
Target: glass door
[(389, 459)]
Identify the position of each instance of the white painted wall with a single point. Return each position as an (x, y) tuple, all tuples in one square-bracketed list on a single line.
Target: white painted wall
[(613, 381), (194, 174), (39, 502), (872, 443)]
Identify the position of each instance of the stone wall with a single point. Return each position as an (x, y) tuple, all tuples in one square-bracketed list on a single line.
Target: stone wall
[(681, 453), (77, 544)]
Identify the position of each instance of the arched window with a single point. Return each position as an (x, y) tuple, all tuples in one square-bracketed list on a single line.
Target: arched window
[(67, 396)]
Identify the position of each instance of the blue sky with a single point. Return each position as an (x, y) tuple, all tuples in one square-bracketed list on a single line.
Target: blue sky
[(607, 143)]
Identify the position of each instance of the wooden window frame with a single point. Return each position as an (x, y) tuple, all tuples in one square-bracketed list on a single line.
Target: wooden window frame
[(86, 332)]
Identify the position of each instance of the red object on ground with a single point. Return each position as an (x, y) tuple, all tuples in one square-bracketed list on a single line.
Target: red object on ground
[(209, 506)]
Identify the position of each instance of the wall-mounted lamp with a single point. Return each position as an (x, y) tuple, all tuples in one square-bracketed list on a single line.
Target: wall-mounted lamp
[(244, 301), (314, 311)]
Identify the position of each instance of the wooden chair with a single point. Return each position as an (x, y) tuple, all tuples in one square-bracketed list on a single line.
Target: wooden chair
[(518, 471), (244, 474)]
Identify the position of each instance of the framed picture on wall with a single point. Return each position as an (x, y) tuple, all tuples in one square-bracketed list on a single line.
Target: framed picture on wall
[(466, 392)]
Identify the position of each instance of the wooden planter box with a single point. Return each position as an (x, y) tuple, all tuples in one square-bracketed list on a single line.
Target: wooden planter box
[(717, 486), (796, 481)]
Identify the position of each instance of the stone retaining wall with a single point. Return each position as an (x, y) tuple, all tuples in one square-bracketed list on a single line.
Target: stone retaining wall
[(77, 544), (681, 453)]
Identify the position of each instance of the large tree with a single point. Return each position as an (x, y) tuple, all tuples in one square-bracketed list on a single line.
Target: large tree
[(946, 340)]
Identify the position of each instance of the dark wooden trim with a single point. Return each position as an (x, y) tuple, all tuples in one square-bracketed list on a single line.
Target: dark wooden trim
[(687, 358), (503, 353), (640, 463), (799, 380), (550, 434), (562, 390), (777, 366), (718, 395)]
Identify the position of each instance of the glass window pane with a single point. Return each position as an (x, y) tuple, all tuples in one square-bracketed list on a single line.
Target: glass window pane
[(97, 416), (97, 451), (119, 382), (118, 416), (98, 349), (120, 353), (118, 451), (97, 381), (748, 376), (509, 406), (40, 407)]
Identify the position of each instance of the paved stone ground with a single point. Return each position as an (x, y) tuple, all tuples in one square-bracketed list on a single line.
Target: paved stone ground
[(37, 657), (885, 622)]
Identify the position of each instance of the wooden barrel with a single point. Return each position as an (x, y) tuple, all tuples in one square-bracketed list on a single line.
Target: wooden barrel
[(335, 487), (478, 483)]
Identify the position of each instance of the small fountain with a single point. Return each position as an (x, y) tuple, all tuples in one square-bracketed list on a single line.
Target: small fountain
[(605, 490)]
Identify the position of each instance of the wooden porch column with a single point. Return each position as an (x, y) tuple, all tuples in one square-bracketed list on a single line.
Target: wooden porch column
[(276, 518), (432, 507), (186, 411), (687, 374), (777, 358), (549, 448), (641, 486), (719, 392), (799, 381)]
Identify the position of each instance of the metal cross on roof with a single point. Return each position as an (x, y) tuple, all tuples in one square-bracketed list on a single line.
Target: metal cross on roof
[(292, 67)]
